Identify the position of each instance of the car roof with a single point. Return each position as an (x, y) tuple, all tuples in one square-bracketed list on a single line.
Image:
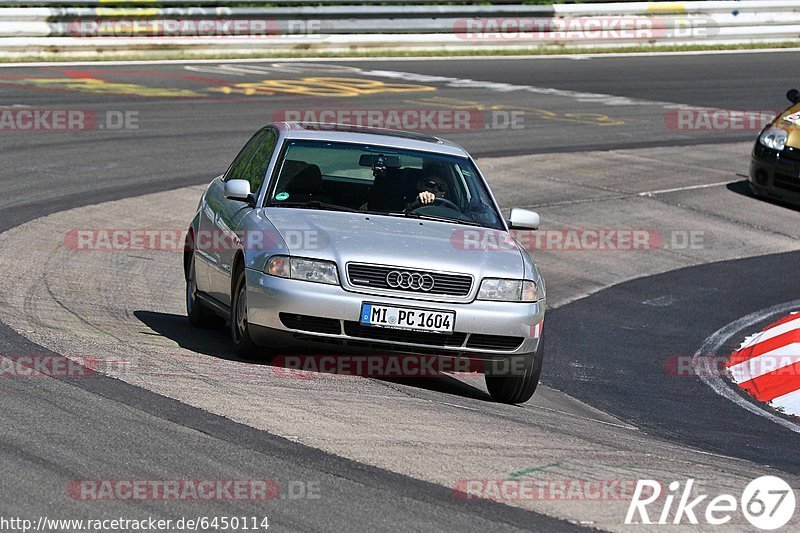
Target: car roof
[(366, 135)]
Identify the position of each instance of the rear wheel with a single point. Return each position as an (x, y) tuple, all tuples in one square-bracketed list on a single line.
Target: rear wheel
[(240, 331), (199, 315), (515, 380)]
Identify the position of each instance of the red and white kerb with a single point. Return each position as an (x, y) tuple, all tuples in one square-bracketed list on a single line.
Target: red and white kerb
[(767, 365)]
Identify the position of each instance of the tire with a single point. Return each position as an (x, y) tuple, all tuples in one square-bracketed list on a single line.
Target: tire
[(199, 315), (243, 343), (506, 386), (754, 190)]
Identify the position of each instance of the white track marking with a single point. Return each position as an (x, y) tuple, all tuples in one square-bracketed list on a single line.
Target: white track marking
[(713, 343), (778, 330), (687, 188), (459, 406), (593, 420), (789, 402), (467, 83)]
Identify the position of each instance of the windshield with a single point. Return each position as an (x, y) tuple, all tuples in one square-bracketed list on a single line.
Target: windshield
[(380, 180)]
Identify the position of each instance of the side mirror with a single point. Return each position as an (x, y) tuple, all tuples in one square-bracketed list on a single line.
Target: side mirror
[(523, 219), (793, 96), (238, 190)]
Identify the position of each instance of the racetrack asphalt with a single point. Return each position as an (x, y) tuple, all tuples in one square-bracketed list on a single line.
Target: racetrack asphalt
[(595, 150)]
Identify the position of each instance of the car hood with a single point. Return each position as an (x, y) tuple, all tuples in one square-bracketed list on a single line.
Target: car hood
[(397, 241)]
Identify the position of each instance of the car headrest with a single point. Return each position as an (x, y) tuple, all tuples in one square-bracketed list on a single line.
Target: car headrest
[(387, 191), (305, 181), (290, 168)]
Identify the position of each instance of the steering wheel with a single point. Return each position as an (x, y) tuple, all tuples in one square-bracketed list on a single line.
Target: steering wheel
[(416, 204)]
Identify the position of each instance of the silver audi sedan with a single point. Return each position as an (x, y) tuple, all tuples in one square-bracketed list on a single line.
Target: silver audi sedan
[(323, 238)]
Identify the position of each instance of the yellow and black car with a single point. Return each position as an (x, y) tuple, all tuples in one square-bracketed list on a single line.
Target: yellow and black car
[(775, 164)]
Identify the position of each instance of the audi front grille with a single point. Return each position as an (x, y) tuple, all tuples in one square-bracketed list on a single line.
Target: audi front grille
[(408, 280)]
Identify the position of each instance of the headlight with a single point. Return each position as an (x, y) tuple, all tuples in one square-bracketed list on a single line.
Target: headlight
[(508, 290), (774, 138), (303, 269)]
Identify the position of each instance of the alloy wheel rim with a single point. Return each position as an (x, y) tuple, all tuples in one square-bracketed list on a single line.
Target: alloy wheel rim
[(190, 291), (241, 311)]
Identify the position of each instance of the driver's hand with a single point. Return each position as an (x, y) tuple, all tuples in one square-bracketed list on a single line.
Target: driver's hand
[(426, 197)]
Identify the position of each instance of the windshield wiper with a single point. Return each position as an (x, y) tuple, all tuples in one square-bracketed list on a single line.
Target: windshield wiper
[(316, 204), (414, 214)]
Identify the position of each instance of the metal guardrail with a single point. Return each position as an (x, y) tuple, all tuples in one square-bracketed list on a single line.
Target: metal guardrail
[(373, 25)]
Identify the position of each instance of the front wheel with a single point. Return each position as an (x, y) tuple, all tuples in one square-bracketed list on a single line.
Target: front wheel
[(199, 315), (515, 380), (240, 332)]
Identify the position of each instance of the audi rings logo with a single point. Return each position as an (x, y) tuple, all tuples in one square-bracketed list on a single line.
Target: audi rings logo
[(413, 281)]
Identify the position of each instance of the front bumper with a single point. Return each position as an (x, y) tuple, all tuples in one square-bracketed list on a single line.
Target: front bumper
[(775, 175), (270, 299)]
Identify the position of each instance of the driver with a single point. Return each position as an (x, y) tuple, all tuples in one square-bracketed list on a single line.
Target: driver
[(430, 189)]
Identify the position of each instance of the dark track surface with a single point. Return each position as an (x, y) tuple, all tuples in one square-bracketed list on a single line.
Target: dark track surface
[(612, 350), (53, 431), (728, 81), (181, 141)]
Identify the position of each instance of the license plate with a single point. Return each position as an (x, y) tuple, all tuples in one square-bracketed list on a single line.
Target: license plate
[(408, 318)]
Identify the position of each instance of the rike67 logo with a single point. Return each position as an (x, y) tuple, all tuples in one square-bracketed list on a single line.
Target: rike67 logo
[(767, 503)]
